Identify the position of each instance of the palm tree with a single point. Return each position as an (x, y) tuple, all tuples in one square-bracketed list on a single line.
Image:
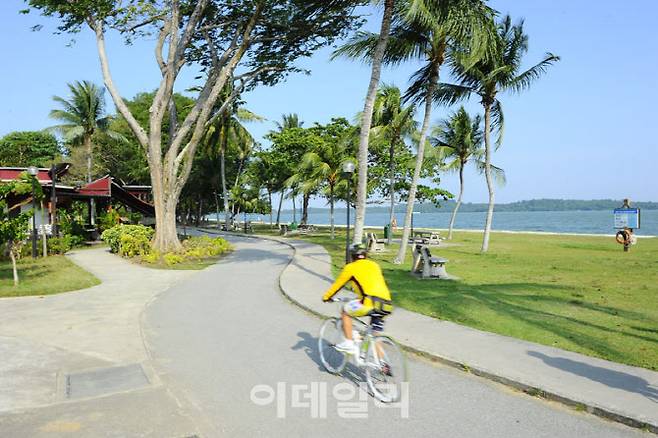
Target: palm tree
[(460, 138), (487, 78), (376, 57), (227, 131), (322, 168), (289, 121), (83, 117), (427, 32), (392, 122)]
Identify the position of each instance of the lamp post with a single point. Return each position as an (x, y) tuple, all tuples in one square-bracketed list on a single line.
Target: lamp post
[(34, 172), (348, 170)]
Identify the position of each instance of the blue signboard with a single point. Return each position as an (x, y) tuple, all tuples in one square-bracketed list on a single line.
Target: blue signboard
[(627, 218)]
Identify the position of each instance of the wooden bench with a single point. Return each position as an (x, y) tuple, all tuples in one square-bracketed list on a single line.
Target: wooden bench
[(374, 244), (427, 265)]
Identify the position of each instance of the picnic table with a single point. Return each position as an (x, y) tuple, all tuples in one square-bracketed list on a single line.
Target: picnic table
[(426, 237)]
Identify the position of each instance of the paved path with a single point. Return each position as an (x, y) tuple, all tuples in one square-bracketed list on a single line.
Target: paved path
[(46, 339), (626, 393), (227, 329)]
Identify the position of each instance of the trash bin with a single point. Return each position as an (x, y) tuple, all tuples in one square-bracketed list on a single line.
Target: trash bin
[(293, 226), (387, 231)]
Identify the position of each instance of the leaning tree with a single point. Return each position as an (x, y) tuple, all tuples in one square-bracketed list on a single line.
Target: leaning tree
[(248, 43)]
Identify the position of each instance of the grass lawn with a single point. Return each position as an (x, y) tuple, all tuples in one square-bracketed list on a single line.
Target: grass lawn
[(44, 276), (577, 293)]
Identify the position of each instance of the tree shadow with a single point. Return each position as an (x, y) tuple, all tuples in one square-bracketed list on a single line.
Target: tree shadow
[(610, 378), (527, 303)]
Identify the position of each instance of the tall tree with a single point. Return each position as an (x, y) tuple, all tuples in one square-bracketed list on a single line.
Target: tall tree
[(461, 137), (321, 167), (82, 117), (393, 122), (260, 39), (426, 31), (28, 148), (489, 77), (376, 59)]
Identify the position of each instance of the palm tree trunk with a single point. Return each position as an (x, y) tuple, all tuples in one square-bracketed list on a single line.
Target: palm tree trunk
[(278, 212), (12, 256), (459, 200), (487, 174), (366, 121), (391, 189), (399, 258), (331, 212), (237, 177), (305, 199), (222, 171), (269, 197), (92, 201), (294, 209)]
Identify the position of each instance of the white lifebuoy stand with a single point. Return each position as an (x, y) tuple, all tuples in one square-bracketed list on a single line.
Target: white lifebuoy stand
[(627, 219)]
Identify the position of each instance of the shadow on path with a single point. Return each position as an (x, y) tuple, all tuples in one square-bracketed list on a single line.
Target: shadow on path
[(608, 377)]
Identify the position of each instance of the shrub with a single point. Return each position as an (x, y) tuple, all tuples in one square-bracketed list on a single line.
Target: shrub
[(199, 247), (172, 258), (60, 245), (129, 240), (108, 219)]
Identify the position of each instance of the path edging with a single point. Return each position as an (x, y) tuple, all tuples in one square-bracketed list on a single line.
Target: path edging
[(480, 372)]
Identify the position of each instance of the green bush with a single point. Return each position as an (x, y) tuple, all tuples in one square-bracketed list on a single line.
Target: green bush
[(108, 219), (172, 258), (200, 247), (60, 245), (129, 240)]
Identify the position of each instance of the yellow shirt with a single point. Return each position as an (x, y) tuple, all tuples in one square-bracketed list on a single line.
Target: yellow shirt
[(367, 278)]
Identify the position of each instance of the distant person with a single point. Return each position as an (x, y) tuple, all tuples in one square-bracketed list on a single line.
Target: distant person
[(394, 224)]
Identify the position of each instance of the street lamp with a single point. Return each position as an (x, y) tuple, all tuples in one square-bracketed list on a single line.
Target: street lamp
[(34, 172), (348, 170)]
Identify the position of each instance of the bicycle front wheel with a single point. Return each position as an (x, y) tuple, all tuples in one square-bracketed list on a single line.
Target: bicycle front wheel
[(331, 334), (386, 369)]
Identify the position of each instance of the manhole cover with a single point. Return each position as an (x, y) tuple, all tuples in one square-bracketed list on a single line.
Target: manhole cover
[(103, 381)]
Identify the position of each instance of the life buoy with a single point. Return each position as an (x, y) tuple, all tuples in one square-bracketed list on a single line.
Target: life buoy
[(623, 237)]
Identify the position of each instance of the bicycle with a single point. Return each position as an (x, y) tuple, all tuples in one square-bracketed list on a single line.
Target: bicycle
[(378, 355)]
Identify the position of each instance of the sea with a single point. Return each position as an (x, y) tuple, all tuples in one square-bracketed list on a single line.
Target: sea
[(579, 222)]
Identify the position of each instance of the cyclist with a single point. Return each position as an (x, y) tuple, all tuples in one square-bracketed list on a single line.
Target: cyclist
[(374, 297)]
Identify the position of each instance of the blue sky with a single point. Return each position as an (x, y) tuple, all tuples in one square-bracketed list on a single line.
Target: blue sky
[(583, 131)]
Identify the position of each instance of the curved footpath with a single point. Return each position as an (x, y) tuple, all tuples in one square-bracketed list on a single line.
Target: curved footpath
[(74, 364), (619, 392), (227, 335)]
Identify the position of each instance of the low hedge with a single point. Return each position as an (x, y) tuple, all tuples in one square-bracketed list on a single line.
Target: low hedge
[(135, 241)]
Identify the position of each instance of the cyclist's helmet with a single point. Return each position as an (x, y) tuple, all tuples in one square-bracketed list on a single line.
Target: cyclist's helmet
[(358, 251)]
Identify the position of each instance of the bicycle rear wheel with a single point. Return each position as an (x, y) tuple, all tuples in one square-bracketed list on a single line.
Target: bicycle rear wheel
[(386, 369), (331, 334)]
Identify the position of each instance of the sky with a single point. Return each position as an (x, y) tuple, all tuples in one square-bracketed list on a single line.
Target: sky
[(582, 131)]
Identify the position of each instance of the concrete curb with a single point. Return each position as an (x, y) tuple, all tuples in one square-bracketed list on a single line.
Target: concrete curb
[(480, 372)]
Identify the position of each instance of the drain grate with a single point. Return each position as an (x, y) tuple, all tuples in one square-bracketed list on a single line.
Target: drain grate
[(95, 383)]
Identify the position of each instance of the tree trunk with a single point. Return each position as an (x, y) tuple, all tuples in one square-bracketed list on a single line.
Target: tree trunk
[(331, 212), (12, 256), (92, 201), (44, 239), (391, 189), (216, 210), (487, 174), (269, 197), (294, 210), (164, 202), (399, 258), (459, 200), (278, 212), (366, 121), (305, 198), (222, 171)]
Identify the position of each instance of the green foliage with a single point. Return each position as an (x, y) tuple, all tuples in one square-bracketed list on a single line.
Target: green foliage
[(129, 240), (194, 248), (28, 148), (108, 219), (60, 245)]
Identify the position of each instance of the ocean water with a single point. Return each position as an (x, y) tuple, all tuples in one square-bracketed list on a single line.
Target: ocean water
[(584, 222)]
